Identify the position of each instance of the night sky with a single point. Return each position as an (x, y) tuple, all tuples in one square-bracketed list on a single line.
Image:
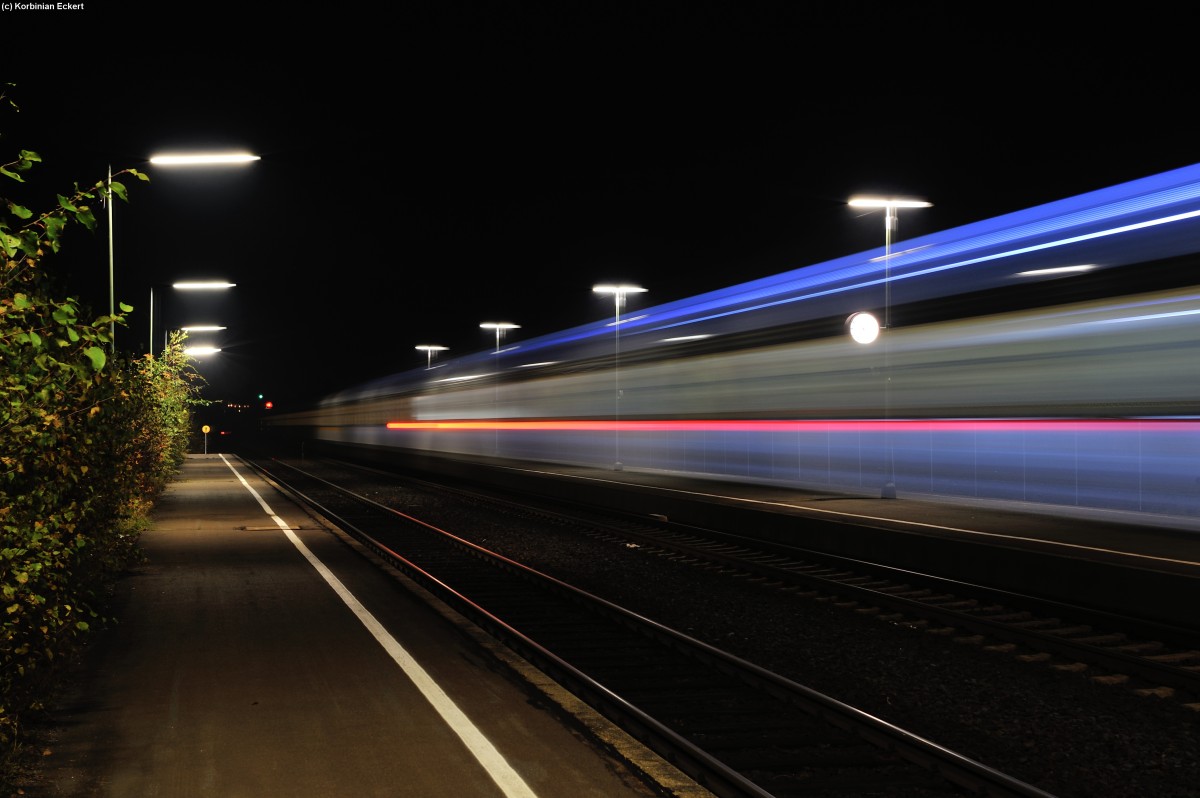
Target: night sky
[(467, 163)]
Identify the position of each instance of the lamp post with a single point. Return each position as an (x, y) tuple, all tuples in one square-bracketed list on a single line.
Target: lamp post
[(197, 159), (500, 327), (185, 286), (619, 292), (890, 206), (112, 325), (429, 349)]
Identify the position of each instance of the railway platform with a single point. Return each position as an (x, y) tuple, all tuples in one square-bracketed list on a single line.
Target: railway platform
[(260, 653)]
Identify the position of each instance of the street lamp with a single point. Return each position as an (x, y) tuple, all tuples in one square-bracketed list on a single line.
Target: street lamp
[(890, 206), (203, 328), (429, 349), (185, 286), (500, 327), (204, 159), (619, 292), (196, 159)]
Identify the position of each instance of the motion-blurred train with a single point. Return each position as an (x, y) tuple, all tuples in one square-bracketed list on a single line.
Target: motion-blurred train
[(1048, 356)]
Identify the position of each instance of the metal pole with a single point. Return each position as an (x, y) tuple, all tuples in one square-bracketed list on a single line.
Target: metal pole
[(889, 485), (112, 325), (496, 397), (150, 339), (617, 297)]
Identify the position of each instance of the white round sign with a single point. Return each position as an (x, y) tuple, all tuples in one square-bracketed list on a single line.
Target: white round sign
[(864, 327)]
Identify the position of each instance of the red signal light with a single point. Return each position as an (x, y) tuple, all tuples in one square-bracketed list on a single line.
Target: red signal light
[(268, 405)]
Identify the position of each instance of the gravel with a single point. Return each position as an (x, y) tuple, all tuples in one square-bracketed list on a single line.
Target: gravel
[(1055, 729)]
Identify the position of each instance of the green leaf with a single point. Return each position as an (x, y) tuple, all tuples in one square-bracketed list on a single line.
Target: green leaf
[(125, 308), (20, 211), (65, 203), (119, 190), (86, 218), (97, 356), (54, 227)]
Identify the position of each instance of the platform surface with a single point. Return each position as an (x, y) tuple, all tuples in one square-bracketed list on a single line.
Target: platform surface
[(261, 654)]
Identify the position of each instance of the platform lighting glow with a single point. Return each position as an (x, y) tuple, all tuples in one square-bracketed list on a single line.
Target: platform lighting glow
[(1086, 267), (682, 338), (886, 202), (619, 289), (200, 351), (203, 328), (204, 159), (211, 285)]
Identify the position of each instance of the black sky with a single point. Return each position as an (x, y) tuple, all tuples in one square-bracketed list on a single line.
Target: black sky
[(426, 170)]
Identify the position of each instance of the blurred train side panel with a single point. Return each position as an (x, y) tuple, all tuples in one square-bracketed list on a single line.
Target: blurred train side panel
[(1048, 356)]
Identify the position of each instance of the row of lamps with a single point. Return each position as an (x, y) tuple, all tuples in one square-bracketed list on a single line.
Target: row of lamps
[(862, 326), (184, 160)]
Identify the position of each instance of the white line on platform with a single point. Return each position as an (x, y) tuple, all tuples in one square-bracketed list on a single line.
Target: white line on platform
[(492, 761)]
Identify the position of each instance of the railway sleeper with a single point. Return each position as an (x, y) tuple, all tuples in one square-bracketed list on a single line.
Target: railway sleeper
[(1103, 639), (878, 782), (964, 604), (1008, 617), (1140, 648), (1037, 623), (785, 757), (940, 600), (1069, 631), (721, 725), (894, 589), (1177, 658)]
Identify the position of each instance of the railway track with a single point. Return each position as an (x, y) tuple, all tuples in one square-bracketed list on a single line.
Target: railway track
[(1150, 658), (736, 728)]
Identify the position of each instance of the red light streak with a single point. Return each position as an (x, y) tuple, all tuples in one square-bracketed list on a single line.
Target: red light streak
[(813, 425)]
